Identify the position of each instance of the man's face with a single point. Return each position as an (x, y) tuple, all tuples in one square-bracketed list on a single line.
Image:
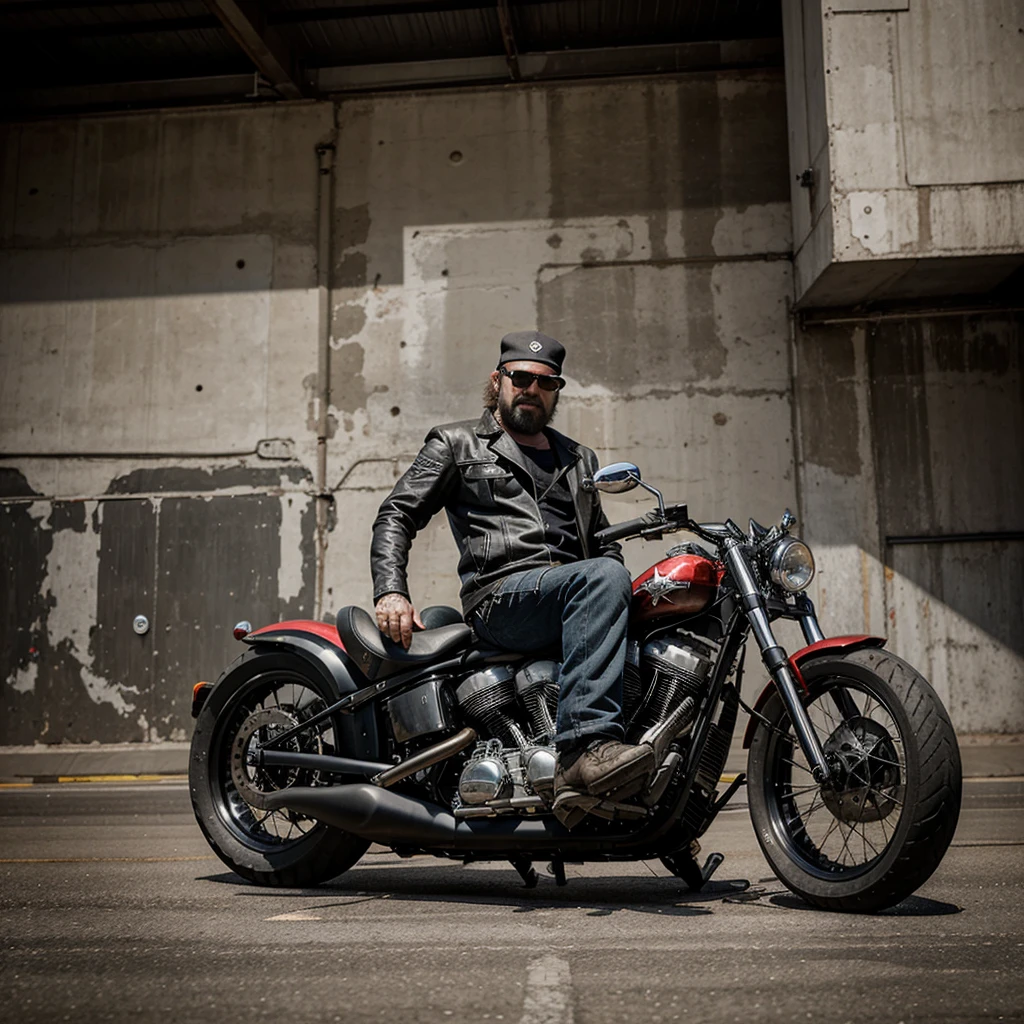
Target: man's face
[(526, 410)]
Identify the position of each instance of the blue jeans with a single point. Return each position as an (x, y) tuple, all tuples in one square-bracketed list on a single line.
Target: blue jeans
[(584, 607)]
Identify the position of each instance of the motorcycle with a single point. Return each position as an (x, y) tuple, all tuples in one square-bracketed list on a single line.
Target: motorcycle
[(320, 740)]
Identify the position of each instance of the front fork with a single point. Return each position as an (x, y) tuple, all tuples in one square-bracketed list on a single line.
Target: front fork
[(775, 658)]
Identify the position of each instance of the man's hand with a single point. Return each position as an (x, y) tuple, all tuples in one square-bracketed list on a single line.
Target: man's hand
[(396, 617)]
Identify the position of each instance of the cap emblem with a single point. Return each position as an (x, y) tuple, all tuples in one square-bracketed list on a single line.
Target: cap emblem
[(535, 346)]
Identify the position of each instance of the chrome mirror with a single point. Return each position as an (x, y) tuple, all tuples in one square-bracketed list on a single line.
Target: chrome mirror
[(617, 478)]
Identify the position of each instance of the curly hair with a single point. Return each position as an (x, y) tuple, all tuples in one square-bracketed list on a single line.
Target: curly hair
[(490, 393)]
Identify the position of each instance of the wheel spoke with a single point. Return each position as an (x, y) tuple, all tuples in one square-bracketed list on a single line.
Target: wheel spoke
[(281, 698), (798, 790), (862, 737), (795, 765)]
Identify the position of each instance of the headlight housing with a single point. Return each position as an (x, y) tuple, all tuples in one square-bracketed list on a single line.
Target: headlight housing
[(791, 565)]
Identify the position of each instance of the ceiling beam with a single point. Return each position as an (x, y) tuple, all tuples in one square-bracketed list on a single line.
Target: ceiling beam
[(508, 37), (269, 60)]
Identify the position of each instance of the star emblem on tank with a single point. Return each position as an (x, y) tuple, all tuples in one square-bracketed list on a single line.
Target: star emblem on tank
[(659, 586)]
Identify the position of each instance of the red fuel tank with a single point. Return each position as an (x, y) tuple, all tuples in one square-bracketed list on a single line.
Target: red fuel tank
[(680, 585)]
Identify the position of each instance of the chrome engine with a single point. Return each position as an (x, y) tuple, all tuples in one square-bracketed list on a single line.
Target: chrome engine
[(665, 673), (514, 769), (511, 769)]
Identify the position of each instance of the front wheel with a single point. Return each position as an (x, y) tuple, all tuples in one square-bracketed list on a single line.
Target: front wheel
[(878, 831), (261, 696)]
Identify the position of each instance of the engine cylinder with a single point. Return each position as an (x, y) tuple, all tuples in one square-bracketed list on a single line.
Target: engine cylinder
[(537, 686), (675, 671), (488, 698)]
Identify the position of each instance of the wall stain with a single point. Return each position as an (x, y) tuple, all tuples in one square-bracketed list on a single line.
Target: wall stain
[(180, 479), (594, 310), (349, 320), (68, 515), (351, 226), (350, 270), (14, 484), (349, 390), (826, 390)]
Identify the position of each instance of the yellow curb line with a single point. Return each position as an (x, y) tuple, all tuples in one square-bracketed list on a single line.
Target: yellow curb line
[(120, 778), (51, 780)]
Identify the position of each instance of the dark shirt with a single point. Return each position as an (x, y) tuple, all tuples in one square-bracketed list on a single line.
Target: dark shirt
[(555, 502)]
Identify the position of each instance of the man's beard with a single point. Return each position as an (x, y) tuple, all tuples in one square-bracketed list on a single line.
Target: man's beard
[(523, 416)]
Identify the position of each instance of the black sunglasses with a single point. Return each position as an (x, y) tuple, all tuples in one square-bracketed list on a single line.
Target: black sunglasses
[(522, 379)]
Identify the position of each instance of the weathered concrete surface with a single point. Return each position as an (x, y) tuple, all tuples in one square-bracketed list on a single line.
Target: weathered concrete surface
[(910, 116), (145, 924), (912, 427), (646, 223), (157, 317), (632, 223)]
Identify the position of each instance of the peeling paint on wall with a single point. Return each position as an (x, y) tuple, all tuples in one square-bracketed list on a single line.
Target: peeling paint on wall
[(290, 571), (70, 583)]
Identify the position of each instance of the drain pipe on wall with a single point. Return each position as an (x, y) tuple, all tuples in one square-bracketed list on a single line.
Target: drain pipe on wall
[(325, 204)]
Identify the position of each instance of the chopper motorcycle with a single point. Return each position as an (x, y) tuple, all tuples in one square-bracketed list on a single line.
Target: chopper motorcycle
[(320, 740)]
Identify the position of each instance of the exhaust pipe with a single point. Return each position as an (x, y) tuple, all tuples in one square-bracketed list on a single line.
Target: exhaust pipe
[(372, 812), (386, 817)]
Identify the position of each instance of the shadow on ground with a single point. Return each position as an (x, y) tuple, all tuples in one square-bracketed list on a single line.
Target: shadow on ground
[(431, 883), (601, 896)]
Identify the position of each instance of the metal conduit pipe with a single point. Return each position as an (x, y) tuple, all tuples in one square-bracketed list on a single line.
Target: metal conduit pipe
[(325, 152)]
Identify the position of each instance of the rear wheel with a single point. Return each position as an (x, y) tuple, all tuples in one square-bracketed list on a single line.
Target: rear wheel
[(879, 831), (262, 696)]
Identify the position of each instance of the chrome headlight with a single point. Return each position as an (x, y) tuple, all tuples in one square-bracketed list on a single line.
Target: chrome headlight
[(791, 565)]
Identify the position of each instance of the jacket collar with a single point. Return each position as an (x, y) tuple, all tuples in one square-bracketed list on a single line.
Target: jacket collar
[(501, 442)]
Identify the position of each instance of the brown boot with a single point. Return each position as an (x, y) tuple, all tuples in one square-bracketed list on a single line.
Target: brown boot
[(603, 766)]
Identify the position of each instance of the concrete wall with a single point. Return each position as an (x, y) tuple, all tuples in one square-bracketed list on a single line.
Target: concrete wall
[(148, 257), (909, 114), (158, 330), (914, 427), (159, 353)]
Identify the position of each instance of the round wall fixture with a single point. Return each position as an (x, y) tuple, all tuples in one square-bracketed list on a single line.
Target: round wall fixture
[(140, 624)]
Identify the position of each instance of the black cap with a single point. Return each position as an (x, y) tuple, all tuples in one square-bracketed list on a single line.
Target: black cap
[(532, 346)]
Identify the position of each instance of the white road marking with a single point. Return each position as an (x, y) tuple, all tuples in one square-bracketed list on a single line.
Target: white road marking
[(548, 992), (296, 915)]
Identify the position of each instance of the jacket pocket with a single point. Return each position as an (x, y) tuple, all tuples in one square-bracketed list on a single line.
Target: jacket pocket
[(484, 471), (479, 539)]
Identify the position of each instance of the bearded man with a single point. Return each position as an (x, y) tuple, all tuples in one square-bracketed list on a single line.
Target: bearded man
[(533, 574)]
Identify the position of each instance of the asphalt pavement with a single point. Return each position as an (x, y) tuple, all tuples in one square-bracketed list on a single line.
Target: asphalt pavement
[(113, 908)]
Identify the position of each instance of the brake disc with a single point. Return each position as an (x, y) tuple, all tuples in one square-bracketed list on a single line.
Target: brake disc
[(253, 783), (865, 769)]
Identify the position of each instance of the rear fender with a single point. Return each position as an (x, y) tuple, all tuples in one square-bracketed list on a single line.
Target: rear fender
[(830, 645), (319, 649)]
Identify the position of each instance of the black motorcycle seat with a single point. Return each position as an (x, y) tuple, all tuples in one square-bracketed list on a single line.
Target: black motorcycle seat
[(440, 615), (377, 656)]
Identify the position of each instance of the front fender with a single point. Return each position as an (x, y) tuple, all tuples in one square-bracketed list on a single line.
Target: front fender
[(830, 645)]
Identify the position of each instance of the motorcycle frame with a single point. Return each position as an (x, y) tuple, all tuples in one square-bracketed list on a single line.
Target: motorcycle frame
[(752, 613), (655, 836)]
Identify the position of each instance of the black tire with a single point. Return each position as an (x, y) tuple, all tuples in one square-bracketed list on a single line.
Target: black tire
[(902, 785), (309, 852)]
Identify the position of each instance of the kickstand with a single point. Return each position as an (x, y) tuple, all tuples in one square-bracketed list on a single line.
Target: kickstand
[(684, 865), (526, 872), (557, 868)]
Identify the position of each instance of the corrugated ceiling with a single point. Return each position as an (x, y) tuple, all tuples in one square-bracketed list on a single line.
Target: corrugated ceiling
[(62, 54)]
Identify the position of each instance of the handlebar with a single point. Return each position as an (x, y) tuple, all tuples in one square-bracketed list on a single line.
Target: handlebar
[(654, 524), (631, 527)]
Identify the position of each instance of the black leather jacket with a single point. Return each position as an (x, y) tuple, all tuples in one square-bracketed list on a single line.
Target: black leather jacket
[(478, 475)]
